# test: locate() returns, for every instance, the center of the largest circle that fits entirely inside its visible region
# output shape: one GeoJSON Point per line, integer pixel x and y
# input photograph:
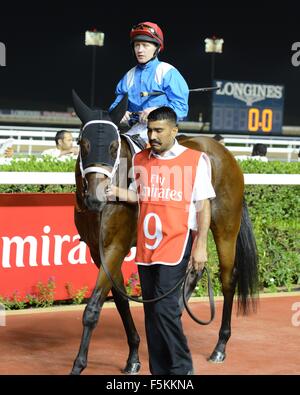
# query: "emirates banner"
{"type": "Point", "coordinates": [40, 243]}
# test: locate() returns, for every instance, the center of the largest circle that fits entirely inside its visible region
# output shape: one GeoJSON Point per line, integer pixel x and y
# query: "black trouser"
{"type": "Point", "coordinates": [167, 344]}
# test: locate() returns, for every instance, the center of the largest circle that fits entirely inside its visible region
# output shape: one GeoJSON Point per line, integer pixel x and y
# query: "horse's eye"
{"type": "Point", "coordinates": [113, 148]}
{"type": "Point", "coordinates": [84, 147]}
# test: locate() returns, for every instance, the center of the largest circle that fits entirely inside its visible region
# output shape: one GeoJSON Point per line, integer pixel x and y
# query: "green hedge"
{"type": "Point", "coordinates": [274, 210]}
{"type": "Point", "coordinates": [32, 163]}
{"type": "Point", "coordinates": [275, 214]}
{"type": "Point", "coordinates": [275, 167]}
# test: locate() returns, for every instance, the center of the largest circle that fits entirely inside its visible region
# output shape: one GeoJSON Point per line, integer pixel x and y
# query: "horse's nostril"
{"type": "Point", "coordinates": [93, 204]}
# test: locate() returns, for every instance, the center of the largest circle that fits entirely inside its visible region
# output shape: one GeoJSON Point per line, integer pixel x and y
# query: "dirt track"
{"type": "Point", "coordinates": [46, 343]}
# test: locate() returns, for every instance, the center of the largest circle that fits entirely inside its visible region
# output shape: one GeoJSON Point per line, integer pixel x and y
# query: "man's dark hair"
{"type": "Point", "coordinates": [163, 113]}
{"type": "Point", "coordinates": [259, 150]}
{"type": "Point", "coordinates": [218, 137]}
{"type": "Point", "coordinates": [60, 135]}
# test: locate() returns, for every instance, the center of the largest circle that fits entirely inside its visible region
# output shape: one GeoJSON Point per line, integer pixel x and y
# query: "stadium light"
{"type": "Point", "coordinates": [95, 39]}
{"type": "Point", "coordinates": [213, 45]}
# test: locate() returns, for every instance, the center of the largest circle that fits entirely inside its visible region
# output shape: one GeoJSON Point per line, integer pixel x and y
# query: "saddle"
{"type": "Point", "coordinates": [135, 142]}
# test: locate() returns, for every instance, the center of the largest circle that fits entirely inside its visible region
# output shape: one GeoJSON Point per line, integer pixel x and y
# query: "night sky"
{"type": "Point", "coordinates": [46, 55]}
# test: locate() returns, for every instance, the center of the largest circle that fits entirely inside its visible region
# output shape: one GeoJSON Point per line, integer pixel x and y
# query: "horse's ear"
{"type": "Point", "coordinates": [81, 109]}
{"type": "Point", "coordinates": [119, 111]}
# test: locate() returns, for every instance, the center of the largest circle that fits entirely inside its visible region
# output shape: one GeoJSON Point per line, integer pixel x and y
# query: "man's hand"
{"type": "Point", "coordinates": [74, 151]}
{"type": "Point", "coordinates": [71, 151]}
{"type": "Point", "coordinates": [199, 253]}
{"type": "Point", "coordinates": [144, 114]}
{"type": "Point", "coordinates": [199, 258]}
{"type": "Point", "coordinates": [111, 191]}
{"type": "Point", "coordinates": [9, 152]}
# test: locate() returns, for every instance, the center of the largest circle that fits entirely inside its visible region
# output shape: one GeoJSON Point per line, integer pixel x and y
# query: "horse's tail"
{"type": "Point", "coordinates": [246, 263]}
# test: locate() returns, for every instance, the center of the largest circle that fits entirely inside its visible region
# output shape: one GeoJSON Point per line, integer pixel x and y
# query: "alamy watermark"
{"type": "Point", "coordinates": [2, 55]}
{"type": "Point", "coordinates": [2, 315]}
{"type": "Point", "coordinates": [296, 56]}
{"type": "Point", "coordinates": [296, 316]}
{"type": "Point", "coordinates": [160, 184]}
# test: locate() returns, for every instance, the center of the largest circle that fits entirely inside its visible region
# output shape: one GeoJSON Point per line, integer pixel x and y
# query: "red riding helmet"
{"type": "Point", "coordinates": [147, 31]}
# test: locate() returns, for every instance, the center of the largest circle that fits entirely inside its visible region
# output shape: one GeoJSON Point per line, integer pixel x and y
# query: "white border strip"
{"type": "Point", "coordinates": [45, 178]}
{"type": "Point", "coordinates": [272, 179]}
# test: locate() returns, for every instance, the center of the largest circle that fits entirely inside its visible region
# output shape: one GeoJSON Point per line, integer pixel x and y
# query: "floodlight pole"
{"type": "Point", "coordinates": [93, 82]}
{"type": "Point", "coordinates": [94, 38]}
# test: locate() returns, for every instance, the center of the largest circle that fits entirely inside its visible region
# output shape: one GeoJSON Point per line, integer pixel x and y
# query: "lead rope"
{"type": "Point", "coordinates": [182, 280]}
{"type": "Point", "coordinates": [116, 286]}
{"type": "Point", "coordinates": [210, 296]}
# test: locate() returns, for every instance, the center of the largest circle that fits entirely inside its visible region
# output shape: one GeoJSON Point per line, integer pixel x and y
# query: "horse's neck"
{"type": "Point", "coordinates": [80, 206]}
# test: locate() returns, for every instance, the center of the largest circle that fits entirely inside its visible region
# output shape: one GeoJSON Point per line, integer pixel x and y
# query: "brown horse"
{"type": "Point", "coordinates": [230, 225]}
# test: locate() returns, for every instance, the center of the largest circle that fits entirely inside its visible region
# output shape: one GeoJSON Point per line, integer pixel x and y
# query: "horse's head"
{"type": "Point", "coordinates": [99, 150]}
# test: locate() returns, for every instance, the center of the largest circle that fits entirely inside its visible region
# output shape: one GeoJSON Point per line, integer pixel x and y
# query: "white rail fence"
{"type": "Point", "coordinates": [67, 178]}
{"type": "Point", "coordinates": [33, 140]}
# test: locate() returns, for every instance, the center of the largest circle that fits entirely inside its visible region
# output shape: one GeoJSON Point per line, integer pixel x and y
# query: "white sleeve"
{"type": "Point", "coordinates": [132, 186]}
{"type": "Point", "coordinates": [54, 152]}
{"type": "Point", "coordinates": [203, 188]}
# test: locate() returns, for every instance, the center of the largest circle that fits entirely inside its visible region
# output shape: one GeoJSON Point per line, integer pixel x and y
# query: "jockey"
{"type": "Point", "coordinates": [151, 83]}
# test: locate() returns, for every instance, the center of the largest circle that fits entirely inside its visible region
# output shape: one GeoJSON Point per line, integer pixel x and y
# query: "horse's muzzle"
{"type": "Point", "coordinates": [94, 204]}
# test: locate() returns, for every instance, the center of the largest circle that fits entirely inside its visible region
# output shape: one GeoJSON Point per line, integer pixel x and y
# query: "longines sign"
{"type": "Point", "coordinates": [249, 92]}
{"type": "Point", "coordinates": [247, 107]}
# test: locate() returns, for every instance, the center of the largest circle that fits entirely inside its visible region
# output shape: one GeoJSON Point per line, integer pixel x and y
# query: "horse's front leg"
{"type": "Point", "coordinates": [90, 318]}
{"type": "Point", "coordinates": [133, 364]}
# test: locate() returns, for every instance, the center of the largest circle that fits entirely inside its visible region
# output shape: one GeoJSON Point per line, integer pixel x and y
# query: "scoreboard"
{"type": "Point", "coordinates": [247, 107]}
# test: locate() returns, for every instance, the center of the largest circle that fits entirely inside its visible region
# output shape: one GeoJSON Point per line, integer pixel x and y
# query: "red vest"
{"type": "Point", "coordinates": [164, 188]}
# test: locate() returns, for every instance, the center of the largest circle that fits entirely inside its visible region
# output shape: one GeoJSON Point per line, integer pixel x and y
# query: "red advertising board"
{"type": "Point", "coordinates": [39, 242]}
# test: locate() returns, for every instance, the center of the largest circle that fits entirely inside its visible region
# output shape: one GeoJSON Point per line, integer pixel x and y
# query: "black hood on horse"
{"type": "Point", "coordinates": [98, 132]}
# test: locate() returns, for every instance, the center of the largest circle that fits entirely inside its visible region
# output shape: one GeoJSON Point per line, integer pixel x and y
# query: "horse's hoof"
{"type": "Point", "coordinates": [132, 368]}
{"type": "Point", "coordinates": [217, 357]}
{"type": "Point", "coordinates": [75, 372]}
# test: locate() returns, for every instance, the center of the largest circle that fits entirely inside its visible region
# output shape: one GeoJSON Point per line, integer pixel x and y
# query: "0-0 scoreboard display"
{"type": "Point", "coordinates": [247, 107]}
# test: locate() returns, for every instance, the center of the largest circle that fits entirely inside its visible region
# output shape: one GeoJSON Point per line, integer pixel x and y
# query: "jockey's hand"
{"type": "Point", "coordinates": [199, 258]}
{"type": "Point", "coordinates": [144, 114]}
{"type": "Point", "coordinates": [126, 118]}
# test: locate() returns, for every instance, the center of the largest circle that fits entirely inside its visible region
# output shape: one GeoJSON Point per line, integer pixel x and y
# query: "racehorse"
{"type": "Point", "coordinates": [230, 226]}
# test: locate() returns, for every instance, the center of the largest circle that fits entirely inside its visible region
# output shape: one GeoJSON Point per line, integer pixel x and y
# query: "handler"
{"type": "Point", "coordinates": [150, 75]}
{"type": "Point", "coordinates": [172, 186]}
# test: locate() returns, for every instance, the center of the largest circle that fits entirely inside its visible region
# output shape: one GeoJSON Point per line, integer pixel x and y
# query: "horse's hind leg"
{"type": "Point", "coordinates": [133, 364]}
{"type": "Point", "coordinates": [90, 318]}
{"type": "Point", "coordinates": [226, 247]}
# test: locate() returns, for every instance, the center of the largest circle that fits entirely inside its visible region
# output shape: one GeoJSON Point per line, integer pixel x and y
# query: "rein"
{"type": "Point", "coordinates": [180, 282]}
